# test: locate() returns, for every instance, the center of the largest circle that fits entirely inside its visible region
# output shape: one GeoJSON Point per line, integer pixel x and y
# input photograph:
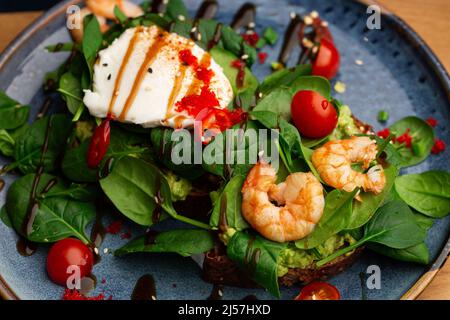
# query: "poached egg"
{"type": "Point", "coordinates": [140, 78]}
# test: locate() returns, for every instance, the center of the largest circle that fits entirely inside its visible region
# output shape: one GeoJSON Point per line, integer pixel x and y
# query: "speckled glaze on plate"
{"type": "Point", "coordinates": [399, 74]}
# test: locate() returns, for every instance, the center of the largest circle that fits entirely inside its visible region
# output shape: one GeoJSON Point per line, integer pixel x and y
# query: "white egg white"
{"type": "Point", "coordinates": [150, 106]}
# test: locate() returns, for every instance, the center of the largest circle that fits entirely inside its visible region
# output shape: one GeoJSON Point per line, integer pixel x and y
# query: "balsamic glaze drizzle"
{"type": "Point", "coordinates": [44, 108]}
{"type": "Point", "coordinates": [207, 10]}
{"type": "Point", "coordinates": [145, 288]}
{"type": "Point", "coordinates": [290, 39]}
{"type": "Point", "coordinates": [159, 6]}
{"type": "Point", "coordinates": [245, 17]}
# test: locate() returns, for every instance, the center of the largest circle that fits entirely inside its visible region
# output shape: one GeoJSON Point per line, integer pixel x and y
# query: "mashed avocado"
{"type": "Point", "coordinates": [179, 187]}
{"type": "Point", "coordinates": [293, 257]}
{"type": "Point", "coordinates": [346, 125]}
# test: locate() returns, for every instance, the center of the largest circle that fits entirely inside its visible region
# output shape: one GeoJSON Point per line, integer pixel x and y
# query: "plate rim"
{"type": "Point", "coordinates": [411, 36]}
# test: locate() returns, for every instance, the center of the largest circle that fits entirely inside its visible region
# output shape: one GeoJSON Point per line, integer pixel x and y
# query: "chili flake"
{"type": "Point", "coordinates": [405, 139]}
{"type": "Point", "coordinates": [262, 57]}
{"type": "Point", "coordinates": [251, 38]}
{"type": "Point", "coordinates": [384, 133]}
{"type": "Point", "coordinates": [438, 147]}
{"type": "Point", "coordinates": [432, 122]}
{"type": "Point", "coordinates": [72, 294]}
{"type": "Point", "coordinates": [114, 227]}
{"type": "Point", "coordinates": [193, 104]}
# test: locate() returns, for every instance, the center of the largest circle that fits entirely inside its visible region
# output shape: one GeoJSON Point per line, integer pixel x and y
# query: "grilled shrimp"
{"type": "Point", "coordinates": [299, 200]}
{"type": "Point", "coordinates": [334, 159]}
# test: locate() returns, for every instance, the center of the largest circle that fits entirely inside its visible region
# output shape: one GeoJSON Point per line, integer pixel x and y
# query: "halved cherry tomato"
{"type": "Point", "coordinates": [319, 291]}
{"type": "Point", "coordinates": [99, 144]}
{"type": "Point", "coordinates": [327, 61]}
{"type": "Point", "coordinates": [65, 253]}
{"type": "Point", "coordinates": [313, 115]}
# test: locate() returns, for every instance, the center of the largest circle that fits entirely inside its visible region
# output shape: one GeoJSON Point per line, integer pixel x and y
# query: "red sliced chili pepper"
{"type": "Point", "coordinates": [99, 143]}
{"type": "Point", "coordinates": [240, 66]}
{"type": "Point", "coordinates": [251, 38]}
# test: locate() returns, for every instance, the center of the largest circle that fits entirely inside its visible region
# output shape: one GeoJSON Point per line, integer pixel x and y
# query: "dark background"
{"type": "Point", "coordinates": [26, 5]}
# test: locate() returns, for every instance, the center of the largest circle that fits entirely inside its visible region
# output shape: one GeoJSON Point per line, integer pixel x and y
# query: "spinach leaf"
{"type": "Point", "coordinates": [335, 218]}
{"type": "Point", "coordinates": [56, 218]}
{"type": "Point", "coordinates": [4, 217]}
{"type": "Point", "coordinates": [284, 77]}
{"type": "Point", "coordinates": [259, 256]}
{"type": "Point", "coordinates": [184, 242]}
{"type": "Point", "coordinates": [279, 99]}
{"type": "Point", "coordinates": [417, 254]}
{"type": "Point", "coordinates": [175, 9]}
{"type": "Point", "coordinates": [122, 143]}
{"type": "Point", "coordinates": [224, 59]}
{"type": "Point", "coordinates": [120, 16]}
{"type": "Point", "coordinates": [134, 187]}
{"type": "Point", "coordinates": [12, 113]}
{"type": "Point", "coordinates": [393, 225]}
{"type": "Point", "coordinates": [71, 91]}
{"type": "Point", "coordinates": [92, 40]}
{"type": "Point", "coordinates": [28, 147]}
{"type": "Point", "coordinates": [423, 137]}
{"type": "Point", "coordinates": [364, 209]}
{"type": "Point", "coordinates": [75, 192]}
{"type": "Point", "coordinates": [6, 143]}
{"type": "Point", "coordinates": [228, 206]}
{"type": "Point", "coordinates": [163, 145]}
{"type": "Point", "coordinates": [428, 192]}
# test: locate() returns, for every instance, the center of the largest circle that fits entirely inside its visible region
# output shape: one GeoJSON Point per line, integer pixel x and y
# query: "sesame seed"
{"type": "Point", "coordinates": [260, 94]}
{"type": "Point", "coordinates": [251, 25]}
{"type": "Point", "coordinates": [150, 70]}
{"type": "Point", "coordinates": [96, 250]}
{"type": "Point", "coordinates": [105, 64]}
{"type": "Point", "coordinates": [105, 251]}
{"type": "Point", "coordinates": [359, 62]}
{"type": "Point", "coordinates": [199, 37]}
{"type": "Point", "coordinates": [109, 76]}
{"type": "Point", "coordinates": [153, 298]}
{"type": "Point", "coordinates": [308, 20]}
{"type": "Point", "coordinates": [194, 29]}
{"type": "Point", "coordinates": [245, 57]}
{"type": "Point", "coordinates": [293, 15]}
{"type": "Point", "coordinates": [314, 14]}
{"type": "Point", "coordinates": [220, 293]}
{"type": "Point", "coordinates": [324, 24]}
{"type": "Point", "coordinates": [165, 1]}
{"type": "Point", "coordinates": [181, 17]}
{"type": "Point", "coordinates": [307, 43]}
{"type": "Point", "coordinates": [366, 39]}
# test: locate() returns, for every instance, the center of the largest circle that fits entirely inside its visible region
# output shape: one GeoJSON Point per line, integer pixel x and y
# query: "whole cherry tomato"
{"type": "Point", "coordinates": [327, 61]}
{"type": "Point", "coordinates": [319, 291]}
{"type": "Point", "coordinates": [65, 253]}
{"type": "Point", "coordinates": [313, 115]}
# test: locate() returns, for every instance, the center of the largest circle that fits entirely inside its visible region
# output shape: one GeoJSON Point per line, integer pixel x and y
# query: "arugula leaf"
{"type": "Point", "coordinates": [428, 192]}
{"type": "Point", "coordinates": [229, 205]}
{"type": "Point", "coordinates": [259, 256]}
{"type": "Point", "coordinates": [56, 218]}
{"type": "Point", "coordinates": [335, 218]}
{"type": "Point", "coordinates": [393, 225]}
{"type": "Point", "coordinates": [12, 113]}
{"type": "Point", "coordinates": [4, 217]}
{"type": "Point", "coordinates": [423, 137]}
{"type": "Point", "coordinates": [92, 40]}
{"type": "Point", "coordinates": [184, 242]}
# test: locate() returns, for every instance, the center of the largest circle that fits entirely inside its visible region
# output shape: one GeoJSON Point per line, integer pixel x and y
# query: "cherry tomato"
{"type": "Point", "coordinates": [65, 253]}
{"type": "Point", "coordinates": [319, 291]}
{"type": "Point", "coordinates": [327, 61]}
{"type": "Point", "coordinates": [313, 115]}
{"type": "Point", "coordinates": [99, 144]}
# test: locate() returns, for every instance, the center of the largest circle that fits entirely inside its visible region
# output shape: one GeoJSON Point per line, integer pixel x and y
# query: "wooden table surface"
{"type": "Point", "coordinates": [431, 19]}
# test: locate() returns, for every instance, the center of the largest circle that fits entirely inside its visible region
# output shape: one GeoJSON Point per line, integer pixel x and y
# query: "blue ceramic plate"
{"type": "Point", "coordinates": [399, 74]}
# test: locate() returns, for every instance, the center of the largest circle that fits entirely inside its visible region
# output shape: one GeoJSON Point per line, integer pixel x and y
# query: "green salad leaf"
{"type": "Point", "coordinates": [428, 192]}
{"type": "Point", "coordinates": [393, 225]}
{"type": "Point", "coordinates": [183, 242]}
{"type": "Point", "coordinates": [259, 256]}
{"type": "Point", "coordinates": [56, 218]}
{"type": "Point", "coordinates": [12, 113]}
{"type": "Point", "coordinates": [92, 40]}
